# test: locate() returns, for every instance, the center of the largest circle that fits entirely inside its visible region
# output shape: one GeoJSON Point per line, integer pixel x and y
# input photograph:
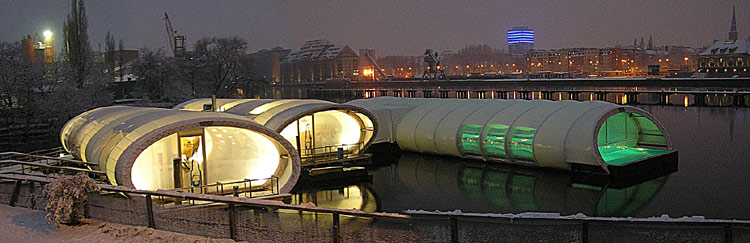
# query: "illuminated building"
{"type": "Point", "coordinates": [321, 126]}
{"type": "Point", "coordinates": [520, 40]}
{"type": "Point", "coordinates": [154, 148]}
{"type": "Point", "coordinates": [40, 49]}
{"type": "Point", "coordinates": [317, 61]}
{"type": "Point", "coordinates": [568, 135]}
{"type": "Point", "coordinates": [245, 139]}
{"type": "Point", "coordinates": [726, 58]}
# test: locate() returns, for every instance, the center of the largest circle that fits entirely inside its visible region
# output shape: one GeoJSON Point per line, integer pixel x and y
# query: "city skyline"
{"type": "Point", "coordinates": [389, 27]}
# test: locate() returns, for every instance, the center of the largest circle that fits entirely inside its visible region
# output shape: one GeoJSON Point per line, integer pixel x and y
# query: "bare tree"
{"type": "Point", "coordinates": [109, 51]}
{"type": "Point", "coordinates": [158, 77]}
{"type": "Point", "coordinates": [220, 64]}
{"type": "Point", "coordinates": [76, 39]}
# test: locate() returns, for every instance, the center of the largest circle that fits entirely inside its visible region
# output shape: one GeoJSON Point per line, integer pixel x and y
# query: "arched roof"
{"type": "Point", "coordinates": [115, 136]}
{"type": "Point", "coordinates": [277, 114]}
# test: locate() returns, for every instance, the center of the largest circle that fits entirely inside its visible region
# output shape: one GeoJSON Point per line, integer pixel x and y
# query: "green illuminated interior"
{"type": "Point", "coordinates": [521, 143]}
{"type": "Point", "coordinates": [622, 136]}
{"type": "Point", "coordinates": [469, 137]}
{"type": "Point", "coordinates": [494, 142]}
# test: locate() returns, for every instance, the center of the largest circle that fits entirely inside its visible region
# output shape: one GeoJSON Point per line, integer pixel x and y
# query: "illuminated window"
{"type": "Point", "coordinates": [494, 141]}
{"type": "Point", "coordinates": [468, 135]}
{"type": "Point", "coordinates": [521, 143]}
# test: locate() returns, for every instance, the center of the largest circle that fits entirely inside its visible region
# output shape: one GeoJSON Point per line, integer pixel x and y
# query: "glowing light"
{"type": "Point", "coordinates": [47, 34]}
{"type": "Point", "coordinates": [685, 101]}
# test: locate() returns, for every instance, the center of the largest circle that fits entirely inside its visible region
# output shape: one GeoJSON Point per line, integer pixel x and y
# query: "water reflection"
{"type": "Point", "coordinates": [443, 183]}
{"type": "Point", "coordinates": [357, 197]}
{"type": "Point", "coordinates": [447, 184]}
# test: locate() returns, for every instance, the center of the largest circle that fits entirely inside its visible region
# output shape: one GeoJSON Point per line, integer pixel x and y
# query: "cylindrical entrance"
{"type": "Point", "coordinates": [207, 155]}
{"type": "Point", "coordinates": [627, 137]}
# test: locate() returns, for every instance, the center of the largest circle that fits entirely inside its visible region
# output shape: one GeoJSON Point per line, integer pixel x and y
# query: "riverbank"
{"type": "Point", "coordinates": [26, 225]}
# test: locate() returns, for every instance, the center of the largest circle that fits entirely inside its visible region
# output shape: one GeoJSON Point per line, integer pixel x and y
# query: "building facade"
{"type": "Point", "coordinates": [266, 64]}
{"type": "Point", "coordinates": [726, 58]}
{"type": "Point", "coordinates": [318, 61]}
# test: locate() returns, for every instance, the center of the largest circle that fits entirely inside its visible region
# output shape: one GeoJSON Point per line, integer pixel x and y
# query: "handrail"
{"type": "Point", "coordinates": [247, 186]}
{"type": "Point", "coordinates": [330, 152]}
{"type": "Point", "coordinates": [237, 201]}
{"type": "Point", "coordinates": [9, 155]}
{"type": "Point", "coordinates": [48, 169]}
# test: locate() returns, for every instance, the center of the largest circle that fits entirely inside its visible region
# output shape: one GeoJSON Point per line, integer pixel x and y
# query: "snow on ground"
{"type": "Point", "coordinates": [579, 216]}
{"type": "Point", "coordinates": [26, 225]}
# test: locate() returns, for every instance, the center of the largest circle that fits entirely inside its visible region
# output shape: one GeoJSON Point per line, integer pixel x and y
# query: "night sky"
{"type": "Point", "coordinates": [388, 26]}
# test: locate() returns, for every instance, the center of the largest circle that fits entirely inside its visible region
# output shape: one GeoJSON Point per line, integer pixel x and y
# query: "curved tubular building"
{"type": "Point", "coordinates": [540, 133]}
{"type": "Point", "coordinates": [321, 126]}
{"type": "Point", "coordinates": [153, 148]}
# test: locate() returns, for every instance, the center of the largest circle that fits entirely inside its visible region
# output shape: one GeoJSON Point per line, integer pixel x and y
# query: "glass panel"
{"type": "Point", "coordinates": [494, 142]}
{"type": "Point", "coordinates": [154, 169]}
{"type": "Point", "coordinates": [468, 135]}
{"type": "Point", "coordinates": [335, 129]}
{"type": "Point", "coordinates": [521, 143]}
{"type": "Point", "coordinates": [235, 154]}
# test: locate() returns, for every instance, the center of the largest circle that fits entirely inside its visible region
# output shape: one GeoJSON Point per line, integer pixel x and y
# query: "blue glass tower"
{"type": "Point", "coordinates": [520, 40]}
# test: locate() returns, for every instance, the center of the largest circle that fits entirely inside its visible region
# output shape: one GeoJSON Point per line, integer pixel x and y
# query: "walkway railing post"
{"type": "Point", "coordinates": [584, 232]}
{"type": "Point", "coordinates": [454, 229]}
{"type": "Point", "coordinates": [336, 228]}
{"type": "Point", "coordinates": [150, 210]}
{"type": "Point", "coordinates": [16, 192]}
{"type": "Point", "coordinates": [232, 222]}
{"type": "Point", "coordinates": [728, 233]}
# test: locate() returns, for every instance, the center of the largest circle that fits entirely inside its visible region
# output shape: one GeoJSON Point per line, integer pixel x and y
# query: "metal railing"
{"type": "Point", "coordinates": [330, 153]}
{"type": "Point", "coordinates": [250, 219]}
{"type": "Point", "coordinates": [262, 186]}
{"type": "Point", "coordinates": [46, 166]}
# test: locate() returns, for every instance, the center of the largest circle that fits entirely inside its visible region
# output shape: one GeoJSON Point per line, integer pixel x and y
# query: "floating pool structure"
{"type": "Point", "coordinates": [245, 139]}
{"type": "Point", "coordinates": [154, 148]}
{"type": "Point", "coordinates": [555, 134]}
{"type": "Point", "coordinates": [321, 126]}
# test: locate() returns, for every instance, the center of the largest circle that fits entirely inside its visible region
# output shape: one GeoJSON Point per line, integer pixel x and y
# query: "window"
{"type": "Point", "coordinates": [468, 135]}
{"type": "Point", "coordinates": [521, 143]}
{"type": "Point", "coordinates": [494, 141]}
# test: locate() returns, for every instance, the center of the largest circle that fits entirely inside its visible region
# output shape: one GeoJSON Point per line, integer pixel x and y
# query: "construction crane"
{"type": "Point", "coordinates": [176, 42]}
{"type": "Point", "coordinates": [433, 71]}
{"type": "Point", "coordinates": [377, 68]}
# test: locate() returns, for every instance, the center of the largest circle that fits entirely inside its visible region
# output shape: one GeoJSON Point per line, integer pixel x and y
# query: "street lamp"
{"type": "Point", "coordinates": [47, 34]}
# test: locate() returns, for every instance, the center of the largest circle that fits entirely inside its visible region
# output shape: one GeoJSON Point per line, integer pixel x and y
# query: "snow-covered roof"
{"type": "Point", "coordinates": [725, 47]}
{"type": "Point", "coordinates": [315, 49]}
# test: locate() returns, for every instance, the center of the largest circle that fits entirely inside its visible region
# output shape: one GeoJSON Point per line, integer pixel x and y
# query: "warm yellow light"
{"type": "Point", "coordinates": [367, 72]}
{"type": "Point", "coordinates": [47, 34]}
{"type": "Point", "coordinates": [686, 59]}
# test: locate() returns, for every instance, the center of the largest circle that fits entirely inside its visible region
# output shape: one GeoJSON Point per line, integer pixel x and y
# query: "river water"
{"type": "Point", "coordinates": [711, 179]}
